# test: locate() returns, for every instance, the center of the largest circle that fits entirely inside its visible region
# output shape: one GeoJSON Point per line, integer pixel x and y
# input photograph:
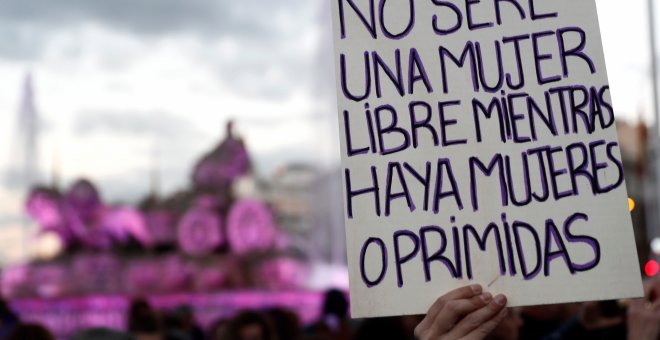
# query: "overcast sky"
{"type": "Point", "coordinates": [124, 86]}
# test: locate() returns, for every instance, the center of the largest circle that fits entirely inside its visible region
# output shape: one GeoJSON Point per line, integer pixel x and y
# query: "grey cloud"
{"type": "Point", "coordinates": [158, 124]}
{"type": "Point", "coordinates": [275, 81]}
{"type": "Point", "coordinates": [125, 188]}
{"type": "Point", "coordinates": [21, 42]}
{"type": "Point", "coordinates": [178, 144]}
{"type": "Point", "coordinates": [278, 119]}
{"type": "Point", "coordinates": [152, 17]}
{"type": "Point", "coordinates": [267, 163]}
{"type": "Point", "coordinates": [272, 65]}
{"type": "Point", "coordinates": [271, 58]}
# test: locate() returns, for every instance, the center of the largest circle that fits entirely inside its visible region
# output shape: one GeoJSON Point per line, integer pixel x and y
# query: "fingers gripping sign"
{"type": "Point", "coordinates": [462, 160]}
{"type": "Point", "coordinates": [464, 313]}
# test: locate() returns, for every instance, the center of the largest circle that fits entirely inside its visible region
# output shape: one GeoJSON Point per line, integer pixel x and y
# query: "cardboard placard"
{"type": "Point", "coordinates": [478, 145]}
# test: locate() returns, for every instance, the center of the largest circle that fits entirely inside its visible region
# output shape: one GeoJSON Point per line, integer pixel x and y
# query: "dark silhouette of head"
{"type": "Point", "coordinates": [142, 319]}
{"type": "Point", "coordinates": [31, 331]}
{"type": "Point", "coordinates": [101, 334]}
{"type": "Point", "coordinates": [248, 325]}
{"type": "Point", "coordinates": [286, 323]}
{"type": "Point", "coordinates": [335, 304]}
{"type": "Point", "coordinates": [382, 328]}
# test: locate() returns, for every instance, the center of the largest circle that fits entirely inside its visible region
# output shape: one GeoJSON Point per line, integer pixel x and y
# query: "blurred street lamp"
{"type": "Point", "coordinates": [48, 245]}
{"type": "Point", "coordinates": [652, 268]}
{"type": "Point", "coordinates": [653, 197]}
{"type": "Point", "coordinates": [655, 246]}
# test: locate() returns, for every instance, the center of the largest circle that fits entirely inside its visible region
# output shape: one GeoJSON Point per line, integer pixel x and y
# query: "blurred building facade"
{"type": "Point", "coordinates": [309, 205]}
{"type": "Point", "coordinates": [634, 144]}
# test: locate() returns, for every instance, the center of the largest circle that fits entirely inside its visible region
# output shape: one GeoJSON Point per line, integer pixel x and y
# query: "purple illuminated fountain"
{"type": "Point", "coordinates": [141, 275]}
{"type": "Point", "coordinates": [85, 200]}
{"type": "Point", "coordinates": [80, 219]}
{"type": "Point", "coordinates": [283, 273]}
{"type": "Point", "coordinates": [14, 281]}
{"type": "Point", "coordinates": [54, 214]}
{"type": "Point", "coordinates": [177, 275]}
{"type": "Point", "coordinates": [44, 206]}
{"type": "Point", "coordinates": [250, 227]}
{"type": "Point", "coordinates": [96, 273]}
{"type": "Point", "coordinates": [197, 241]}
{"type": "Point", "coordinates": [226, 163]}
{"type": "Point", "coordinates": [124, 224]}
{"type": "Point", "coordinates": [50, 280]}
{"type": "Point", "coordinates": [199, 232]}
{"type": "Point", "coordinates": [160, 224]}
{"type": "Point", "coordinates": [184, 249]}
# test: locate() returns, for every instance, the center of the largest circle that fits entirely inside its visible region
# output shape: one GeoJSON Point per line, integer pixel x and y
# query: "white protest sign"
{"type": "Point", "coordinates": [478, 146]}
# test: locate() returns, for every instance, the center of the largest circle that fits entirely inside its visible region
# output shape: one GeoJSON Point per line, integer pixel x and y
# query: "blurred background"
{"type": "Point", "coordinates": [138, 137]}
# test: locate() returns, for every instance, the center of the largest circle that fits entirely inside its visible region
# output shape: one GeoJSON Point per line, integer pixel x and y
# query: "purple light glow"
{"type": "Point", "coordinates": [85, 199]}
{"type": "Point", "coordinates": [199, 232]}
{"type": "Point", "coordinates": [54, 214]}
{"type": "Point", "coordinates": [50, 280]}
{"type": "Point", "coordinates": [96, 273]}
{"type": "Point", "coordinates": [125, 222]}
{"type": "Point", "coordinates": [207, 202]}
{"type": "Point", "coordinates": [210, 278]}
{"type": "Point", "coordinates": [223, 165]}
{"type": "Point", "coordinates": [161, 226]}
{"type": "Point", "coordinates": [176, 275]}
{"type": "Point", "coordinates": [81, 218]}
{"type": "Point", "coordinates": [75, 227]}
{"type": "Point", "coordinates": [97, 238]}
{"type": "Point", "coordinates": [44, 207]}
{"type": "Point", "coordinates": [15, 280]}
{"type": "Point", "coordinates": [108, 273]}
{"type": "Point", "coordinates": [250, 227]}
{"type": "Point", "coordinates": [141, 276]}
{"type": "Point", "coordinates": [65, 316]}
{"type": "Point", "coordinates": [283, 274]}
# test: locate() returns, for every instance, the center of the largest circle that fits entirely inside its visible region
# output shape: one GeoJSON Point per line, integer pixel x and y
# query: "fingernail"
{"type": "Point", "coordinates": [476, 289]}
{"type": "Point", "coordinates": [500, 300]}
{"type": "Point", "coordinates": [485, 297]}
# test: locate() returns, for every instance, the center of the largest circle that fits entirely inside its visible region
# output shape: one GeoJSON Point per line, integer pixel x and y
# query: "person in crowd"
{"type": "Point", "coordinates": [285, 323]}
{"type": "Point", "coordinates": [148, 329]}
{"type": "Point", "coordinates": [538, 321]}
{"type": "Point", "coordinates": [643, 315]}
{"type": "Point", "coordinates": [31, 331]}
{"type": "Point", "coordinates": [101, 333]}
{"type": "Point", "coordinates": [8, 320]}
{"type": "Point", "coordinates": [470, 313]}
{"type": "Point", "coordinates": [634, 319]}
{"type": "Point", "coordinates": [643, 320]}
{"type": "Point", "coordinates": [409, 323]}
{"type": "Point", "coordinates": [143, 322]}
{"type": "Point", "coordinates": [334, 317]}
{"type": "Point", "coordinates": [391, 328]}
{"type": "Point", "coordinates": [314, 337]}
{"type": "Point", "coordinates": [249, 325]}
{"type": "Point", "coordinates": [509, 328]}
{"type": "Point", "coordinates": [218, 329]}
{"type": "Point", "coordinates": [185, 320]}
{"type": "Point", "coordinates": [465, 313]}
{"type": "Point", "coordinates": [592, 319]}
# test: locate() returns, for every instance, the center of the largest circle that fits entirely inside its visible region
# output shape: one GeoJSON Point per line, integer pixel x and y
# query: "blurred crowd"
{"type": "Point", "coordinates": [633, 319]}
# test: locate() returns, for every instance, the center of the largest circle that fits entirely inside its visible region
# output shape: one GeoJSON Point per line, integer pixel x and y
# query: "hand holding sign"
{"type": "Point", "coordinates": [644, 314]}
{"type": "Point", "coordinates": [464, 313]}
{"type": "Point", "coordinates": [478, 146]}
